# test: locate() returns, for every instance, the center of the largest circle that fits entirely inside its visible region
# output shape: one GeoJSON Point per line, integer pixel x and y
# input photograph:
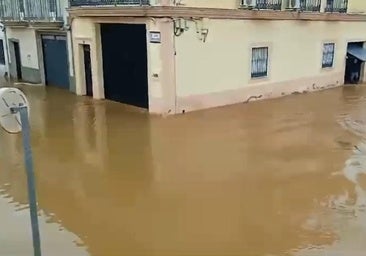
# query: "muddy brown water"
{"type": "Point", "coordinates": [277, 177]}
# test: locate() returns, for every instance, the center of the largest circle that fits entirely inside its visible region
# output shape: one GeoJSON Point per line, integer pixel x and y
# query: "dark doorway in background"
{"type": "Point", "coordinates": [356, 57]}
{"type": "Point", "coordinates": [18, 62]}
{"type": "Point", "coordinates": [87, 70]}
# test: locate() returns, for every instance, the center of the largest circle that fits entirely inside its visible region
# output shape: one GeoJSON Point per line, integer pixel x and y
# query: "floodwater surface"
{"type": "Point", "coordinates": [277, 177]}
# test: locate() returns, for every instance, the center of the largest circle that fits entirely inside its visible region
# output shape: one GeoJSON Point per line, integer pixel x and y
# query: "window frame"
{"type": "Point", "coordinates": [326, 55]}
{"type": "Point", "coordinates": [257, 74]}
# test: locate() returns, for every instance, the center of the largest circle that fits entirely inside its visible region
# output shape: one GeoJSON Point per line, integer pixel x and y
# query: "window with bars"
{"type": "Point", "coordinates": [2, 53]}
{"type": "Point", "coordinates": [21, 6]}
{"type": "Point", "coordinates": [259, 62]}
{"type": "Point", "coordinates": [328, 55]}
{"type": "Point", "coordinates": [52, 5]}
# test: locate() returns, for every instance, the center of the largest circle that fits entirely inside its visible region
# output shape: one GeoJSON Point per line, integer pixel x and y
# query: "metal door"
{"type": "Point", "coordinates": [125, 63]}
{"type": "Point", "coordinates": [55, 60]}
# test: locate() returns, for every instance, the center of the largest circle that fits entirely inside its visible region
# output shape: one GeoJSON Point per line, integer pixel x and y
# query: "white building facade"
{"type": "Point", "coordinates": [38, 41]}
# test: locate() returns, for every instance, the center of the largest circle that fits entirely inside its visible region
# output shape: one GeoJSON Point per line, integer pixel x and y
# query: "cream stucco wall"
{"type": "Point", "coordinates": [357, 6]}
{"type": "Point", "coordinates": [84, 31]}
{"type": "Point", "coordinates": [187, 73]}
{"type": "Point", "coordinates": [27, 44]}
{"type": "Point", "coordinates": [217, 72]}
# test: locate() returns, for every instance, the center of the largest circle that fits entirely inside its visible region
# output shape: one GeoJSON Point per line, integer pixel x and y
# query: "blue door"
{"type": "Point", "coordinates": [55, 60]}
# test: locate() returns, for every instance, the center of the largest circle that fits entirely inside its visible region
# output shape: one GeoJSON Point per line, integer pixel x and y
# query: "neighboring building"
{"type": "Point", "coordinates": [38, 41]}
{"type": "Point", "coordinates": [3, 54]}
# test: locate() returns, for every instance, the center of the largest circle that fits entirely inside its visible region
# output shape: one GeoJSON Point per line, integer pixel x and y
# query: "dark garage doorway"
{"type": "Point", "coordinates": [125, 63]}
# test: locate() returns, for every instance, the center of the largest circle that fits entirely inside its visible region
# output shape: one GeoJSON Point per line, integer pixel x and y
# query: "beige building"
{"type": "Point", "coordinates": [174, 56]}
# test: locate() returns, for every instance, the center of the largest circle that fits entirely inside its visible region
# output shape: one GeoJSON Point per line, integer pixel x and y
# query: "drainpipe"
{"type": "Point", "coordinates": [71, 45]}
{"type": "Point", "coordinates": [69, 21]}
{"type": "Point", "coordinates": [72, 59]}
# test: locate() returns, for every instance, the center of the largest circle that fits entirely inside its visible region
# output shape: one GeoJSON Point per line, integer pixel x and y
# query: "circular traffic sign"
{"type": "Point", "coordinates": [10, 100]}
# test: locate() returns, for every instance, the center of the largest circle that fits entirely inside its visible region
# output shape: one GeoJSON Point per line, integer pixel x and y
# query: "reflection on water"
{"type": "Point", "coordinates": [15, 232]}
{"type": "Point", "coordinates": [258, 179]}
{"type": "Point", "coordinates": [345, 213]}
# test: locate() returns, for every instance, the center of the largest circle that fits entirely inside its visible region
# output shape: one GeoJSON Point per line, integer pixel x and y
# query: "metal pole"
{"type": "Point", "coordinates": [28, 159]}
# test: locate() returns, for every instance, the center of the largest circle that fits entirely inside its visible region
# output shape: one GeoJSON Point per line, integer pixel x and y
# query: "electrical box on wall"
{"type": "Point", "coordinates": [155, 37]}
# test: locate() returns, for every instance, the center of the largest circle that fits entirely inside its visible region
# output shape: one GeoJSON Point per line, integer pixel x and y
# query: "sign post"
{"type": "Point", "coordinates": [14, 118]}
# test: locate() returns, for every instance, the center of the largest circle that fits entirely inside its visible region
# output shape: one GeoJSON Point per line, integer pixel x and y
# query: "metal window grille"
{"type": "Point", "coordinates": [2, 53]}
{"type": "Point", "coordinates": [108, 2]}
{"type": "Point", "coordinates": [310, 5]}
{"type": "Point", "coordinates": [31, 10]}
{"type": "Point", "coordinates": [328, 55]}
{"type": "Point", "coordinates": [269, 4]}
{"type": "Point", "coordinates": [336, 6]}
{"type": "Point", "coordinates": [259, 62]}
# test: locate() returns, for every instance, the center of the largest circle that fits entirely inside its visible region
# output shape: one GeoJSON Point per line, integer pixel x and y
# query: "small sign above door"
{"type": "Point", "coordinates": [155, 37]}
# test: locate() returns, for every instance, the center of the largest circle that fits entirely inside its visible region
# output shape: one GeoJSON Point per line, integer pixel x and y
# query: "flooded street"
{"type": "Point", "coordinates": [271, 178]}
